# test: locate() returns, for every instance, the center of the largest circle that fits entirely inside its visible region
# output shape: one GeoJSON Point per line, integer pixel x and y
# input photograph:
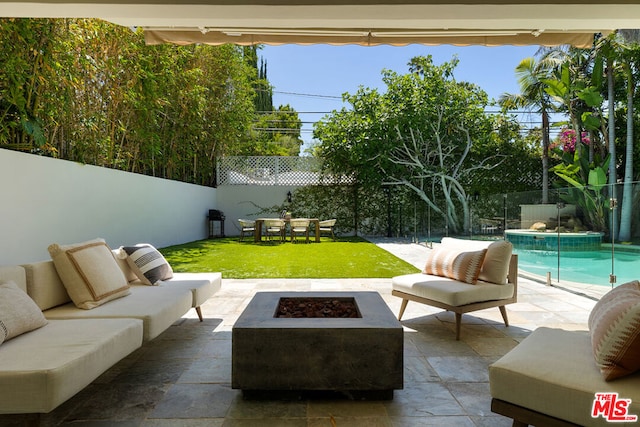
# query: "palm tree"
{"type": "Point", "coordinates": [531, 75]}
{"type": "Point", "coordinates": [623, 48]}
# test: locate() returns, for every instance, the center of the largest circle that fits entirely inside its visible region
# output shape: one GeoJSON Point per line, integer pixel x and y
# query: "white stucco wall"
{"type": "Point", "coordinates": [246, 201]}
{"type": "Point", "coordinates": [46, 200]}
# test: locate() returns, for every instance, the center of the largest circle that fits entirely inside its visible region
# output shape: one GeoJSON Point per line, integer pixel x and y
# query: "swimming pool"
{"type": "Point", "coordinates": [590, 267]}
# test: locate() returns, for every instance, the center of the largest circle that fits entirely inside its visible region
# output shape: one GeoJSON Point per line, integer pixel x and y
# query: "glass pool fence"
{"type": "Point", "coordinates": [586, 235]}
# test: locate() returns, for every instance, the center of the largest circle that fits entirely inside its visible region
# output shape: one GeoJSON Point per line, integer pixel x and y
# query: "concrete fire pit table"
{"type": "Point", "coordinates": [359, 357]}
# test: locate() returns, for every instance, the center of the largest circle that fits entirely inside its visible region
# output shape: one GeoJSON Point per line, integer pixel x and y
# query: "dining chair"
{"type": "Point", "coordinates": [326, 226]}
{"type": "Point", "coordinates": [299, 226]}
{"type": "Point", "coordinates": [247, 226]}
{"type": "Point", "coordinates": [274, 227]}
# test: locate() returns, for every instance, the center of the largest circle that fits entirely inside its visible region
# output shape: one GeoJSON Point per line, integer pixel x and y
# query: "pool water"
{"type": "Point", "coordinates": [590, 267]}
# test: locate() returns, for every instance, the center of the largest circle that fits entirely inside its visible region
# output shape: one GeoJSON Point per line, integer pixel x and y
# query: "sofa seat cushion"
{"type": "Point", "coordinates": [202, 285]}
{"type": "Point", "coordinates": [449, 291]}
{"type": "Point", "coordinates": [552, 371]}
{"type": "Point", "coordinates": [158, 307]}
{"type": "Point", "coordinates": [41, 369]}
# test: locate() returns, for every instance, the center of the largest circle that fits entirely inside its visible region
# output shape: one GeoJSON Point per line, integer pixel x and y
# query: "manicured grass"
{"type": "Point", "coordinates": [344, 258]}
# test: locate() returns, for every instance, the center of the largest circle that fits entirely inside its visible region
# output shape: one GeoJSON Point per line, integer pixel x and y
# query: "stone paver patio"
{"type": "Point", "coordinates": [183, 377]}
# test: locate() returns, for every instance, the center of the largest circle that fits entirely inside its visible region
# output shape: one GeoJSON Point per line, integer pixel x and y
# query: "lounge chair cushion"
{"type": "Point", "coordinates": [450, 291]}
{"type": "Point", "coordinates": [614, 323]}
{"type": "Point", "coordinates": [455, 264]}
{"type": "Point", "coordinates": [18, 313]}
{"type": "Point", "coordinates": [89, 272]}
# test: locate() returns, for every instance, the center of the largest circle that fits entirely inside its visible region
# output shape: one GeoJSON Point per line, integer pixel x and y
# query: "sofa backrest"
{"type": "Point", "coordinates": [14, 273]}
{"type": "Point", "coordinates": [44, 285]}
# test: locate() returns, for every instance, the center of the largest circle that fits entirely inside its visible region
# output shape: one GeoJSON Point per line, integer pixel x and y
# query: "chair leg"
{"type": "Point", "coordinates": [503, 311]}
{"type": "Point", "coordinates": [458, 324]}
{"type": "Point", "coordinates": [199, 311]}
{"type": "Point", "coordinates": [403, 306]}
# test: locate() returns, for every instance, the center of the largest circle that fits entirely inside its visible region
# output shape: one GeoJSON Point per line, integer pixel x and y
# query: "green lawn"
{"type": "Point", "coordinates": [345, 258]}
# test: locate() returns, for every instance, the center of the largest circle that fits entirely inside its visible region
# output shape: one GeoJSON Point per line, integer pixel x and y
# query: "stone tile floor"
{"type": "Point", "coordinates": [183, 377]}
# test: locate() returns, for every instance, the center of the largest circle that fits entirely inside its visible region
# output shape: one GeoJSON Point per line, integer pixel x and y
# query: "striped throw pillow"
{"type": "Point", "coordinates": [614, 324]}
{"type": "Point", "coordinates": [455, 264]}
{"type": "Point", "coordinates": [147, 263]}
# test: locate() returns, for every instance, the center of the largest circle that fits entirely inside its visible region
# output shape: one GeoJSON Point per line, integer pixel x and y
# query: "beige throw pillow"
{"type": "Point", "coordinates": [455, 264]}
{"type": "Point", "coordinates": [614, 324]}
{"type": "Point", "coordinates": [89, 273]}
{"type": "Point", "coordinates": [18, 312]}
{"type": "Point", "coordinates": [495, 266]}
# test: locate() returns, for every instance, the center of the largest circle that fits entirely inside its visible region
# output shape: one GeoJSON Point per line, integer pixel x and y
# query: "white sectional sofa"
{"type": "Point", "coordinates": [42, 368]}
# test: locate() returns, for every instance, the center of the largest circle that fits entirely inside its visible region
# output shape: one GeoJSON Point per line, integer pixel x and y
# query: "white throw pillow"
{"type": "Point", "coordinates": [18, 312]}
{"type": "Point", "coordinates": [89, 272]}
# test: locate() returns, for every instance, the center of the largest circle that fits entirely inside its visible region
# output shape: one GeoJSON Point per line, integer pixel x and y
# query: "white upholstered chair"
{"type": "Point", "coordinates": [299, 226]}
{"type": "Point", "coordinates": [274, 227]}
{"type": "Point", "coordinates": [326, 226]}
{"type": "Point", "coordinates": [247, 226]}
{"type": "Point", "coordinates": [496, 285]}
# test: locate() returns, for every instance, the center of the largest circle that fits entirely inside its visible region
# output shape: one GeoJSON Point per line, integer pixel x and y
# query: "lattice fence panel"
{"type": "Point", "coordinates": [254, 170]}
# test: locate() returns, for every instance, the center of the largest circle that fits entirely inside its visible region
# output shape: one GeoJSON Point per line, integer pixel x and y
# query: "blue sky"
{"type": "Point", "coordinates": [329, 71]}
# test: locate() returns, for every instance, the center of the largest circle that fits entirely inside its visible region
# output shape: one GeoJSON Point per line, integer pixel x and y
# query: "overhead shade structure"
{"type": "Point", "coordinates": [271, 36]}
{"type": "Point", "coordinates": [367, 22]}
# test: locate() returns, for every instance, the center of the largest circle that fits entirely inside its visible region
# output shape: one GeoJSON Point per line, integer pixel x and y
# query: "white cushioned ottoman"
{"type": "Point", "coordinates": [41, 369]}
{"type": "Point", "coordinates": [553, 372]}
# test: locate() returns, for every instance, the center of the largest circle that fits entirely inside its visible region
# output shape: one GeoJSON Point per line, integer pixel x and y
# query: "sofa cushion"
{"type": "Point", "coordinates": [495, 266]}
{"type": "Point", "coordinates": [157, 306]}
{"type": "Point", "coordinates": [147, 263]}
{"type": "Point", "coordinates": [42, 369]}
{"type": "Point", "coordinates": [89, 272]}
{"type": "Point", "coordinates": [552, 371]}
{"type": "Point", "coordinates": [44, 285]}
{"type": "Point", "coordinates": [450, 291]}
{"type": "Point", "coordinates": [15, 274]}
{"type": "Point", "coordinates": [18, 313]}
{"type": "Point", "coordinates": [455, 264]}
{"type": "Point", "coordinates": [614, 324]}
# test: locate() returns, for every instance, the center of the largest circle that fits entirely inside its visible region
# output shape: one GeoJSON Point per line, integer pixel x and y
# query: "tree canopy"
{"type": "Point", "coordinates": [426, 133]}
{"type": "Point", "coordinates": [93, 92]}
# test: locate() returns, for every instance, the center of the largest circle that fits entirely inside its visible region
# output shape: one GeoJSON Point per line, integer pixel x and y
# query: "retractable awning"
{"type": "Point", "coordinates": [368, 22]}
{"type": "Point", "coordinates": [271, 36]}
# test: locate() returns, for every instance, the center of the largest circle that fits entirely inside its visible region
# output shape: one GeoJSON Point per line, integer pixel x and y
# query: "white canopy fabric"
{"type": "Point", "coordinates": [367, 22]}
{"type": "Point", "coordinates": [397, 38]}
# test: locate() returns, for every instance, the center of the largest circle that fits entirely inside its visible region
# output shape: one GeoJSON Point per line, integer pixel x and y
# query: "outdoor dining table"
{"type": "Point", "coordinates": [257, 234]}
